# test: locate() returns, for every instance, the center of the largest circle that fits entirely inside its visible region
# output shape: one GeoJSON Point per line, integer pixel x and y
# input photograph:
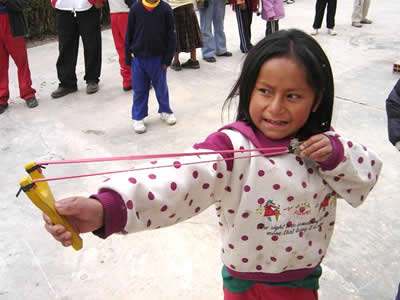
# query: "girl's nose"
{"type": "Point", "coordinates": [275, 106]}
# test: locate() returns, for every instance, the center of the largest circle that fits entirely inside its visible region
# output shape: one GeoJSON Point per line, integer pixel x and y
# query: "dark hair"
{"type": "Point", "coordinates": [306, 50]}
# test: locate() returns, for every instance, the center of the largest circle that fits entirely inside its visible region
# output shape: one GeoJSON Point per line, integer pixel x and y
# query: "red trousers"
{"type": "Point", "coordinates": [16, 48]}
{"type": "Point", "coordinates": [119, 22]}
{"type": "Point", "coordinates": [264, 292]}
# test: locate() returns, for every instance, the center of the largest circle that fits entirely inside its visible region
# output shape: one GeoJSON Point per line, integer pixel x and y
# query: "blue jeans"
{"type": "Point", "coordinates": [144, 70]}
{"type": "Point", "coordinates": [214, 14]}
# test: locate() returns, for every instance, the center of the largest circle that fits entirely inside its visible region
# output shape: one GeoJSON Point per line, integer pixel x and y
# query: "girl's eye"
{"type": "Point", "coordinates": [264, 91]}
{"type": "Point", "coordinates": [293, 96]}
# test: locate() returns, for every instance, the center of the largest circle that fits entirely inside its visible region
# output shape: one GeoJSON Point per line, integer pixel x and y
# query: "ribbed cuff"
{"type": "Point", "coordinates": [337, 154]}
{"type": "Point", "coordinates": [115, 214]}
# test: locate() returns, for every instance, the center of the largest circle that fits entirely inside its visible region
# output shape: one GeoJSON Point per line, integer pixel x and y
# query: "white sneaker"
{"type": "Point", "coordinates": [168, 118]}
{"type": "Point", "coordinates": [314, 32]}
{"type": "Point", "coordinates": [139, 127]}
{"type": "Point", "coordinates": [332, 32]}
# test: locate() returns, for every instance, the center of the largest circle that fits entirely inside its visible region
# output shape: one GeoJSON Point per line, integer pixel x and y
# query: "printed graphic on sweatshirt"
{"type": "Point", "coordinates": [269, 209]}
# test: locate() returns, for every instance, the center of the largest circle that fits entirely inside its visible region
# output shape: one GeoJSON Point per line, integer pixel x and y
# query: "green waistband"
{"type": "Point", "coordinates": [235, 285]}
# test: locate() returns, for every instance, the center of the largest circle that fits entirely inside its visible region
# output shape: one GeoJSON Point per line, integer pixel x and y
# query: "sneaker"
{"type": "Point", "coordinates": [176, 66]}
{"type": "Point", "coordinates": [31, 102]}
{"type": "Point", "coordinates": [127, 88]}
{"type": "Point", "coordinates": [314, 32]}
{"type": "Point", "coordinates": [92, 87]}
{"type": "Point", "coordinates": [168, 118]}
{"type": "Point", "coordinates": [290, 1]}
{"type": "Point", "coordinates": [366, 21]}
{"type": "Point", "coordinates": [332, 32]}
{"type": "Point", "coordinates": [62, 91]}
{"type": "Point", "coordinates": [227, 53]}
{"type": "Point", "coordinates": [139, 127]}
{"type": "Point", "coordinates": [356, 24]}
{"type": "Point", "coordinates": [3, 108]}
{"type": "Point", "coordinates": [191, 64]}
{"type": "Point", "coordinates": [210, 59]}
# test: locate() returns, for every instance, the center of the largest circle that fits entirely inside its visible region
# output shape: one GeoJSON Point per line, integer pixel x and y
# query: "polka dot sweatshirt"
{"type": "Point", "coordinates": [276, 214]}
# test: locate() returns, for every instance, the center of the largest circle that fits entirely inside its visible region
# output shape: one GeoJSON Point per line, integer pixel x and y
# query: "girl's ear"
{"type": "Point", "coordinates": [317, 101]}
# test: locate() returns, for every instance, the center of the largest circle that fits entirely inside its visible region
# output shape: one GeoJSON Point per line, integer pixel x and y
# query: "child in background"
{"type": "Point", "coordinates": [12, 43]}
{"type": "Point", "coordinates": [119, 20]}
{"type": "Point", "coordinates": [150, 45]}
{"type": "Point", "coordinates": [285, 95]}
{"type": "Point", "coordinates": [330, 16]}
{"type": "Point", "coordinates": [272, 11]}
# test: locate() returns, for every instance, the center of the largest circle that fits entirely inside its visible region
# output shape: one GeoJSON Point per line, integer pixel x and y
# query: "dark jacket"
{"type": "Point", "coordinates": [17, 20]}
{"type": "Point", "coordinates": [393, 114]}
{"type": "Point", "coordinates": [150, 33]}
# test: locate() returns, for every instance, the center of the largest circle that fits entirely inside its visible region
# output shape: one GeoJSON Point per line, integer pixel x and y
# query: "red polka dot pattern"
{"type": "Point", "coordinates": [129, 204]}
{"type": "Point", "coordinates": [150, 196]}
{"type": "Point", "coordinates": [132, 180]}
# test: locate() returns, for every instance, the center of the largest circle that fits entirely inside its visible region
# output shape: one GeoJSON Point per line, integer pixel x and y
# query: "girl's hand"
{"type": "Point", "coordinates": [318, 148]}
{"type": "Point", "coordinates": [83, 214]}
{"type": "Point", "coordinates": [164, 66]}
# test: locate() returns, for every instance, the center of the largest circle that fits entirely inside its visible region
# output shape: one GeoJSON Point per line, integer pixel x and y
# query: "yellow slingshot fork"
{"type": "Point", "coordinates": [41, 195]}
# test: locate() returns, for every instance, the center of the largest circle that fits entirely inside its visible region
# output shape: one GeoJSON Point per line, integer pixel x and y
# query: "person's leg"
{"type": "Point", "coordinates": [90, 31]}
{"type": "Point", "coordinates": [208, 49]}
{"type": "Point", "coordinates": [249, 22]}
{"type": "Point", "coordinates": [17, 49]}
{"type": "Point", "coordinates": [243, 27]}
{"type": "Point", "coordinates": [272, 26]}
{"type": "Point", "coordinates": [357, 11]}
{"type": "Point", "coordinates": [330, 14]}
{"type": "Point", "coordinates": [68, 42]}
{"type": "Point", "coordinates": [365, 9]}
{"type": "Point", "coordinates": [141, 87]}
{"type": "Point", "coordinates": [119, 22]}
{"type": "Point", "coordinates": [4, 60]}
{"type": "Point", "coordinates": [319, 13]}
{"type": "Point", "coordinates": [158, 77]}
{"type": "Point", "coordinates": [219, 31]}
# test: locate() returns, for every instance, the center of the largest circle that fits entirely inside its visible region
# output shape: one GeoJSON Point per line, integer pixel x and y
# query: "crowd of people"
{"type": "Point", "coordinates": [81, 20]}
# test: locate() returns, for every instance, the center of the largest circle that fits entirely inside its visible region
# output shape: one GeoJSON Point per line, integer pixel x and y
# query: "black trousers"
{"type": "Point", "coordinates": [70, 27]}
{"type": "Point", "coordinates": [330, 14]}
{"type": "Point", "coordinates": [244, 19]}
{"type": "Point", "coordinates": [272, 26]}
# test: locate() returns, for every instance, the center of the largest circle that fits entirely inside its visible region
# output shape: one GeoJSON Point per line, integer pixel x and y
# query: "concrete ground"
{"type": "Point", "coordinates": [182, 262]}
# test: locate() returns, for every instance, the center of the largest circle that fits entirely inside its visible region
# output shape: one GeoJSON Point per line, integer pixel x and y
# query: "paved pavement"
{"type": "Point", "coordinates": [182, 262]}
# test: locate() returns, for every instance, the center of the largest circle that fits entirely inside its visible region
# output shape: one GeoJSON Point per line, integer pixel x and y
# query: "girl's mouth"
{"type": "Point", "coordinates": [275, 122]}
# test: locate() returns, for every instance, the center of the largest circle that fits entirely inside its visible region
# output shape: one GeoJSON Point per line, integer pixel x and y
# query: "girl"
{"type": "Point", "coordinates": [330, 16]}
{"type": "Point", "coordinates": [285, 95]}
{"type": "Point", "coordinates": [272, 11]}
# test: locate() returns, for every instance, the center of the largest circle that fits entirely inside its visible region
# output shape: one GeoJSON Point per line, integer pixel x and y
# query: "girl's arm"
{"type": "Point", "coordinates": [161, 197]}
{"type": "Point", "coordinates": [349, 168]}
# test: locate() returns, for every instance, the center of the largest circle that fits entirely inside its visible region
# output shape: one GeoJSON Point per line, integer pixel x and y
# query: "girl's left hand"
{"type": "Point", "coordinates": [318, 148]}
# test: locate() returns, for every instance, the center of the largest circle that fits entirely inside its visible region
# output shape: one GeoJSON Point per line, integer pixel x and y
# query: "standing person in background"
{"type": "Point", "coordinates": [76, 19]}
{"type": "Point", "coordinates": [330, 16]}
{"type": "Point", "coordinates": [244, 15]}
{"type": "Point", "coordinates": [393, 115]}
{"type": "Point", "coordinates": [213, 15]}
{"type": "Point", "coordinates": [150, 45]}
{"type": "Point", "coordinates": [188, 33]}
{"type": "Point", "coordinates": [119, 21]}
{"type": "Point", "coordinates": [12, 43]}
{"type": "Point", "coordinates": [272, 11]}
{"type": "Point", "coordinates": [360, 12]}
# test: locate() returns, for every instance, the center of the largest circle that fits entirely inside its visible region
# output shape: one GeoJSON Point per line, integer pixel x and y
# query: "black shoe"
{"type": "Point", "coordinates": [227, 53]}
{"type": "Point", "coordinates": [210, 59]}
{"type": "Point", "coordinates": [127, 88]}
{"type": "Point", "coordinates": [92, 87]}
{"type": "Point", "coordinates": [62, 91]}
{"type": "Point", "coordinates": [32, 102]}
{"type": "Point", "coordinates": [3, 108]}
{"type": "Point", "coordinates": [176, 66]}
{"type": "Point", "coordinates": [191, 64]}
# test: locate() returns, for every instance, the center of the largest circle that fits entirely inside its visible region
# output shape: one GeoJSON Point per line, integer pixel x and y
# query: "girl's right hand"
{"type": "Point", "coordinates": [83, 214]}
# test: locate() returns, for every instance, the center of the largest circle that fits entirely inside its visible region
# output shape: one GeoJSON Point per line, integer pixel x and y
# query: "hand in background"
{"type": "Point", "coordinates": [83, 214]}
{"type": "Point", "coordinates": [98, 4]}
{"type": "Point", "coordinates": [318, 148]}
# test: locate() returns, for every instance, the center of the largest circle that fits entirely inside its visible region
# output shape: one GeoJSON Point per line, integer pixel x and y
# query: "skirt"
{"type": "Point", "coordinates": [188, 33]}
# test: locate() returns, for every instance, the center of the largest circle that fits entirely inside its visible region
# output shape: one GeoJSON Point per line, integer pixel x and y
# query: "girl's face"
{"type": "Point", "coordinates": [282, 99]}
